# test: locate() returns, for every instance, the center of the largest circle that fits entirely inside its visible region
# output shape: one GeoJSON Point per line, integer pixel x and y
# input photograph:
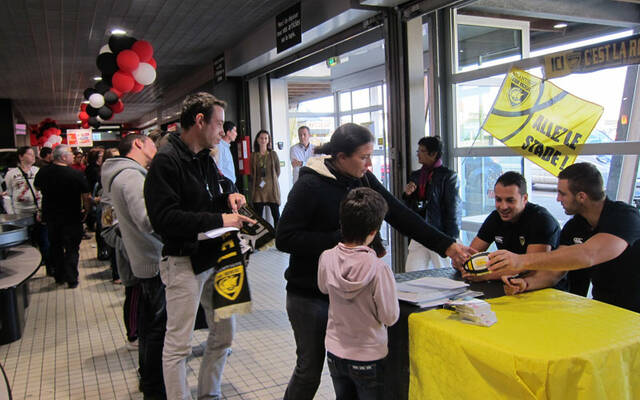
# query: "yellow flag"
{"type": "Point", "coordinates": [540, 121]}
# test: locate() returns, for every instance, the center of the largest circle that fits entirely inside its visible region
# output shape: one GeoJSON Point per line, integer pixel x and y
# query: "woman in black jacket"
{"type": "Point", "coordinates": [310, 224]}
{"type": "Point", "coordinates": [432, 192]}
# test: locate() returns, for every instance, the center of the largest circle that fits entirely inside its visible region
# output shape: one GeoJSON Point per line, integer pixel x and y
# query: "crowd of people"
{"type": "Point", "coordinates": [149, 199]}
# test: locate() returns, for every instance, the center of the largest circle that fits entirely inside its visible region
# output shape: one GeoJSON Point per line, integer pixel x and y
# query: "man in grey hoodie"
{"type": "Point", "coordinates": [124, 178]}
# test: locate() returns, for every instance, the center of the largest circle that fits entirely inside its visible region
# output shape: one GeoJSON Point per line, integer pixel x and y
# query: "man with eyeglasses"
{"type": "Point", "coordinates": [65, 201]}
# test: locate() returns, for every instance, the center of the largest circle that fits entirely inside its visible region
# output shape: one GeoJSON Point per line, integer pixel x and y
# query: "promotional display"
{"type": "Point", "coordinates": [540, 121]}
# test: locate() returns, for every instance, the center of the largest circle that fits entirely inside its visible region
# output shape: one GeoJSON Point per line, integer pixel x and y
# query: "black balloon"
{"type": "Point", "coordinates": [107, 63]}
{"type": "Point", "coordinates": [117, 43]}
{"type": "Point", "coordinates": [102, 87]}
{"type": "Point", "coordinates": [88, 92]}
{"type": "Point", "coordinates": [110, 97]}
{"type": "Point", "coordinates": [105, 112]}
{"type": "Point", "coordinates": [91, 111]}
{"type": "Point", "coordinates": [93, 121]}
{"type": "Point", "coordinates": [107, 79]}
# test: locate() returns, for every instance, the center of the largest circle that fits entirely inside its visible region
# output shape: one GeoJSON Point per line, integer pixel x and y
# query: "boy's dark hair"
{"type": "Point", "coordinates": [125, 145]}
{"type": "Point", "coordinates": [432, 144]}
{"type": "Point", "coordinates": [513, 178]}
{"type": "Point", "coordinates": [584, 177]}
{"type": "Point", "coordinates": [361, 212]}
{"type": "Point", "coordinates": [194, 104]}
{"type": "Point", "coordinates": [227, 126]}
{"type": "Point", "coordinates": [45, 151]}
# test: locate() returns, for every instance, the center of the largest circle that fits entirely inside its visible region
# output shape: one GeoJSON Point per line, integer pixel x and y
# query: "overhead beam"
{"type": "Point", "coordinates": [583, 11]}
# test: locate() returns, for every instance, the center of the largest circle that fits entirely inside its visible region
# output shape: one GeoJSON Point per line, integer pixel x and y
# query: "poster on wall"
{"type": "Point", "coordinates": [79, 137]}
{"type": "Point", "coordinates": [540, 121]}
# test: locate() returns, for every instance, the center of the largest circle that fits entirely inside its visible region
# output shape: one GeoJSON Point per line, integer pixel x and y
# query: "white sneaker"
{"type": "Point", "coordinates": [132, 346]}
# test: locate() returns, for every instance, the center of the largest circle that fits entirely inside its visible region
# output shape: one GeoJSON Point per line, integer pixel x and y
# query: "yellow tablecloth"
{"type": "Point", "coordinates": [546, 345]}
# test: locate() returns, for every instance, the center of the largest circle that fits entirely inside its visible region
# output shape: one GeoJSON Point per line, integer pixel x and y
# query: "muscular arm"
{"type": "Point", "coordinates": [600, 248]}
{"type": "Point", "coordinates": [479, 244]}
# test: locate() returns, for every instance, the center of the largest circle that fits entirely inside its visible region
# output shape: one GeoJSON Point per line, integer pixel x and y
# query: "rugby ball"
{"type": "Point", "coordinates": [477, 264]}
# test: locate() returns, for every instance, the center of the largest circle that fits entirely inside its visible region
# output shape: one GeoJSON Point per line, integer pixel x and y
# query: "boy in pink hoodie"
{"type": "Point", "coordinates": [362, 299]}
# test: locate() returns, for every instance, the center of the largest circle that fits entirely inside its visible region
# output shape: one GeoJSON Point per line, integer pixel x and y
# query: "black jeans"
{"type": "Point", "coordinates": [308, 317]}
{"type": "Point", "coordinates": [152, 323]}
{"type": "Point", "coordinates": [130, 311]}
{"type": "Point", "coordinates": [275, 211]}
{"type": "Point", "coordinates": [356, 380]}
{"type": "Point", "coordinates": [64, 244]}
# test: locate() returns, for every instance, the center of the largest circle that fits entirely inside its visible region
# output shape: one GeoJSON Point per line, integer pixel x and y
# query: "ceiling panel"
{"type": "Point", "coordinates": [48, 48]}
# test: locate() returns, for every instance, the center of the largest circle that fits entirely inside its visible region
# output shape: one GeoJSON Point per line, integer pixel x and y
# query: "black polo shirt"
{"type": "Point", "coordinates": [62, 188]}
{"type": "Point", "coordinates": [535, 226]}
{"type": "Point", "coordinates": [616, 281]}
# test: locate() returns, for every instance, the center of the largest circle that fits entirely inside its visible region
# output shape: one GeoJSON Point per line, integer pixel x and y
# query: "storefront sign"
{"type": "Point", "coordinates": [79, 137]}
{"type": "Point", "coordinates": [219, 73]}
{"type": "Point", "coordinates": [540, 121]}
{"type": "Point", "coordinates": [613, 53]}
{"type": "Point", "coordinates": [288, 28]}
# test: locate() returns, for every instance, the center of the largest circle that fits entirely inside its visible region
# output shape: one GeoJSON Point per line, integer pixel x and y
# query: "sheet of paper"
{"type": "Point", "coordinates": [437, 283]}
{"type": "Point", "coordinates": [214, 233]}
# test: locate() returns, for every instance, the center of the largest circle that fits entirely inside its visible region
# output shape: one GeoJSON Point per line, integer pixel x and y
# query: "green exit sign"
{"type": "Point", "coordinates": [333, 61]}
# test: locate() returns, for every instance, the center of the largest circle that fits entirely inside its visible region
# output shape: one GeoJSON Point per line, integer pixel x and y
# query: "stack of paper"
{"type": "Point", "coordinates": [474, 311]}
{"type": "Point", "coordinates": [430, 292]}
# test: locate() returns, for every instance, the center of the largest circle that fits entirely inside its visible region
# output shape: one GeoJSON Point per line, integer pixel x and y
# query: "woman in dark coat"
{"type": "Point", "coordinates": [310, 224]}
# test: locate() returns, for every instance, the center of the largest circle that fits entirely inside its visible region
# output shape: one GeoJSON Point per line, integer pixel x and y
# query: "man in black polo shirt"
{"type": "Point", "coordinates": [516, 225]}
{"type": "Point", "coordinates": [603, 233]}
{"type": "Point", "coordinates": [64, 193]}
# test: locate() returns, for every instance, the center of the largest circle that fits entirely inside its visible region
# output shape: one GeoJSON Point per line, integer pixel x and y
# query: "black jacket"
{"type": "Point", "coordinates": [442, 206]}
{"type": "Point", "coordinates": [184, 197]}
{"type": "Point", "coordinates": [310, 224]}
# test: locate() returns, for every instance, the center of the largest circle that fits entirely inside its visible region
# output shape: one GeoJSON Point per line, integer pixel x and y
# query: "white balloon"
{"type": "Point", "coordinates": [96, 100]}
{"type": "Point", "coordinates": [105, 49]}
{"type": "Point", "coordinates": [58, 139]}
{"type": "Point", "coordinates": [145, 74]}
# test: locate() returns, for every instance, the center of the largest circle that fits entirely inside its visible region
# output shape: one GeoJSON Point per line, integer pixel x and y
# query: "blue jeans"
{"type": "Point", "coordinates": [357, 380]}
{"type": "Point", "coordinates": [308, 317]}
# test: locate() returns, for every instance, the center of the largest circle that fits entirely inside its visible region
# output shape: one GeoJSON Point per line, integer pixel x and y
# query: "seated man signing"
{"type": "Point", "coordinates": [515, 225]}
{"type": "Point", "coordinates": [603, 233]}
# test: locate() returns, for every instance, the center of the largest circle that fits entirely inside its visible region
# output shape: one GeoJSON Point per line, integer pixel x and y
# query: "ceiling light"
{"type": "Point", "coordinates": [78, 122]}
{"type": "Point", "coordinates": [118, 31]}
{"type": "Point", "coordinates": [97, 78]}
{"type": "Point", "coordinates": [560, 25]}
{"type": "Point", "coordinates": [86, 102]}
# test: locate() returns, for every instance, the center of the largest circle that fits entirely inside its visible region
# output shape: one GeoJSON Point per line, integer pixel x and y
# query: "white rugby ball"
{"type": "Point", "coordinates": [477, 264]}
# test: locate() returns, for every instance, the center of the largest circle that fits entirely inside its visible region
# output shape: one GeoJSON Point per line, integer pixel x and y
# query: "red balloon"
{"type": "Point", "coordinates": [137, 87]}
{"type": "Point", "coordinates": [83, 116]}
{"type": "Point", "coordinates": [122, 81]}
{"type": "Point", "coordinates": [117, 107]}
{"type": "Point", "coordinates": [143, 49]}
{"type": "Point", "coordinates": [128, 60]}
{"type": "Point", "coordinates": [33, 139]}
{"type": "Point", "coordinates": [85, 124]}
{"type": "Point", "coordinates": [152, 62]}
{"type": "Point", "coordinates": [83, 107]}
{"type": "Point", "coordinates": [116, 91]}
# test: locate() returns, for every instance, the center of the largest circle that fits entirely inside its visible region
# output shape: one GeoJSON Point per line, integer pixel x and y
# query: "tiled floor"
{"type": "Point", "coordinates": [73, 346]}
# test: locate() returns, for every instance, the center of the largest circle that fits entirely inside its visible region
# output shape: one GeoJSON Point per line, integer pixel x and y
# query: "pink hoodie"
{"type": "Point", "coordinates": [362, 300]}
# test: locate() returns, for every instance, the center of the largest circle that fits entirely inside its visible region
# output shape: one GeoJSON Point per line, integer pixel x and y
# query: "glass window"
{"type": "Point", "coordinates": [319, 105]}
{"type": "Point", "coordinates": [321, 128]}
{"type": "Point", "coordinates": [362, 118]}
{"type": "Point", "coordinates": [360, 98]}
{"type": "Point", "coordinates": [482, 46]}
{"type": "Point", "coordinates": [345, 101]}
{"type": "Point", "coordinates": [345, 119]}
{"type": "Point", "coordinates": [474, 100]}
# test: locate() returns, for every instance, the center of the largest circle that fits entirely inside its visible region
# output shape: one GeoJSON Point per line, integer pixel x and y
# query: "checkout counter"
{"type": "Point", "coordinates": [18, 262]}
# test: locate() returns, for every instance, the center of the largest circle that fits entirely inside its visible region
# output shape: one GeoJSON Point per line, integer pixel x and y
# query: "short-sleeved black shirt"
{"type": "Point", "coordinates": [616, 281]}
{"type": "Point", "coordinates": [62, 189]}
{"type": "Point", "coordinates": [535, 226]}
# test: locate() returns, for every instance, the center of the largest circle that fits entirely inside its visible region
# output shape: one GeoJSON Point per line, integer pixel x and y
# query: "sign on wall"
{"type": "Point", "coordinates": [614, 53]}
{"type": "Point", "coordinates": [288, 28]}
{"type": "Point", "coordinates": [540, 121]}
{"type": "Point", "coordinates": [219, 73]}
{"type": "Point", "coordinates": [79, 137]}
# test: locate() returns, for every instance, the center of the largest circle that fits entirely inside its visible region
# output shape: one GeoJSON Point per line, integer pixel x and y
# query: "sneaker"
{"type": "Point", "coordinates": [73, 285]}
{"type": "Point", "coordinates": [132, 346]}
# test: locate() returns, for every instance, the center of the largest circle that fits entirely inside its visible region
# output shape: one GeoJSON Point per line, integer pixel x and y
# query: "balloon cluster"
{"type": "Point", "coordinates": [127, 66]}
{"type": "Point", "coordinates": [45, 134]}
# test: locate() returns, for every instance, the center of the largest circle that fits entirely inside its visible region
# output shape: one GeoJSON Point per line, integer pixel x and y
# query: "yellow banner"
{"type": "Point", "coordinates": [541, 121]}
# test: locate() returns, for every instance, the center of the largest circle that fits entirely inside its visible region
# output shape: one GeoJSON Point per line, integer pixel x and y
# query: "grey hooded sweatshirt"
{"type": "Point", "coordinates": [124, 178]}
{"type": "Point", "coordinates": [362, 302]}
